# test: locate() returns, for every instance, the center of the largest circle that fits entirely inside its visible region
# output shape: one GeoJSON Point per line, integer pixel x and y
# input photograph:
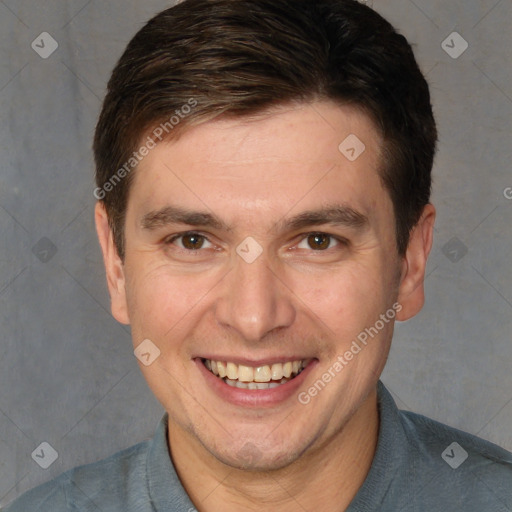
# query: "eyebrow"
{"type": "Point", "coordinates": [340, 215]}
{"type": "Point", "coordinates": [175, 215]}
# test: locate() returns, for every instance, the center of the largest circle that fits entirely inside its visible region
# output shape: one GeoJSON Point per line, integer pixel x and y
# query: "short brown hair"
{"type": "Point", "coordinates": [207, 58]}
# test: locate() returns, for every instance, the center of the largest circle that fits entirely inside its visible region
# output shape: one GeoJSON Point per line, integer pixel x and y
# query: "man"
{"type": "Point", "coordinates": [263, 185]}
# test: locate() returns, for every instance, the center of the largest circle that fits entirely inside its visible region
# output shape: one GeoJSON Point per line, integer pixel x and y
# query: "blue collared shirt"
{"type": "Point", "coordinates": [420, 465]}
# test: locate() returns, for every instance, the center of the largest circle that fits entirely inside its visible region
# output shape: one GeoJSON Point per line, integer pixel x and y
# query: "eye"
{"type": "Point", "coordinates": [318, 242]}
{"type": "Point", "coordinates": [190, 241]}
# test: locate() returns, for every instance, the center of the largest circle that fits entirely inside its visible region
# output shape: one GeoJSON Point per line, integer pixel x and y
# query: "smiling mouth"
{"type": "Point", "coordinates": [254, 378]}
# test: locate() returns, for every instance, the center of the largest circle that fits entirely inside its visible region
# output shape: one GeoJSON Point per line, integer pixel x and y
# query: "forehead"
{"type": "Point", "coordinates": [290, 158]}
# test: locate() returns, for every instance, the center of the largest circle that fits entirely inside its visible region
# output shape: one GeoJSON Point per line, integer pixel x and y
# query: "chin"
{"type": "Point", "coordinates": [258, 458]}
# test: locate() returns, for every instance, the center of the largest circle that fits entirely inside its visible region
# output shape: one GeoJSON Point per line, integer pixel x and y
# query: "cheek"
{"type": "Point", "coordinates": [161, 302]}
{"type": "Point", "coordinates": [346, 300]}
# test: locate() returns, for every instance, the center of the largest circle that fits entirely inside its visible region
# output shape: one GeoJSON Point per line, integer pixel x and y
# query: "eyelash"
{"type": "Point", "coordinates": [340, 241]}
{"type": "Point", "coordinates": [169, 241]}
{"type": "Point", "coordinates": [173, 238]}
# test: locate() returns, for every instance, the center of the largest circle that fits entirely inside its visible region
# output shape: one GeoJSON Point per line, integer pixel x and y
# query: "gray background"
{"type": "Point", "coordinates": [67, 371]}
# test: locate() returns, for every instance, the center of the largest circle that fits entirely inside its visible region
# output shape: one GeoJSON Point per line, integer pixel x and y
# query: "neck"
{"type": "Point", "coordinates": [329, 473]}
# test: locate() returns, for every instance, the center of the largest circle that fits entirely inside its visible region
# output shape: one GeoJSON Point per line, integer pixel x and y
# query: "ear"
{"type": "Point", "coordinates": [411, 293]}
{"type": "Point", "coordinates": [113, 265]}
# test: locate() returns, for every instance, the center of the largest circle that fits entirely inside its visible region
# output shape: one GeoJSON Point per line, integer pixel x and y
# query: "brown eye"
{"type": "Point", "coordinates": [190, 241]}
{"type": "Point", "coordinates": [319, 241]}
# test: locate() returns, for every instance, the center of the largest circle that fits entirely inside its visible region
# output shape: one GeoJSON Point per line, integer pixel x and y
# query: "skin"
{"type": "Point", "coordinates": [294, 301]}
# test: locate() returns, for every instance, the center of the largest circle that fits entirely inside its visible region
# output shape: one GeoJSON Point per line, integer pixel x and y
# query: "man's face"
{"type": "Point", "coordinates": [319, 268]}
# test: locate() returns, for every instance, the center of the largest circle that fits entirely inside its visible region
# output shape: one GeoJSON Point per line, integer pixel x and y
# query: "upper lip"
{"type": "Point", "coordinates": [256, 362]}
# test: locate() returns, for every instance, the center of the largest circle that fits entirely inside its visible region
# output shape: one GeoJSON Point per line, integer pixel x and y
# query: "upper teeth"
{"type": "Point", "coordinates": [264, 373]}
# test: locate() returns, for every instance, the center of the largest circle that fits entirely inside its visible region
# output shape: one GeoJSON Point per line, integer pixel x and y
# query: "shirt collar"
{"type": "Point", "coordinates": [388, 462]}
{"type": "Point", "coordinates": [164, 486]}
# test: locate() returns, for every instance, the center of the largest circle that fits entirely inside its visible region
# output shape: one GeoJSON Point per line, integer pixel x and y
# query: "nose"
{"type": "Point", "coordinates": [254, 301]}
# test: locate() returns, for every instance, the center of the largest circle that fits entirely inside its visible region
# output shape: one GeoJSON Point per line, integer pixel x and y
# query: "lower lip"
{"type": "Point", "coordinates": [254, 397]}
